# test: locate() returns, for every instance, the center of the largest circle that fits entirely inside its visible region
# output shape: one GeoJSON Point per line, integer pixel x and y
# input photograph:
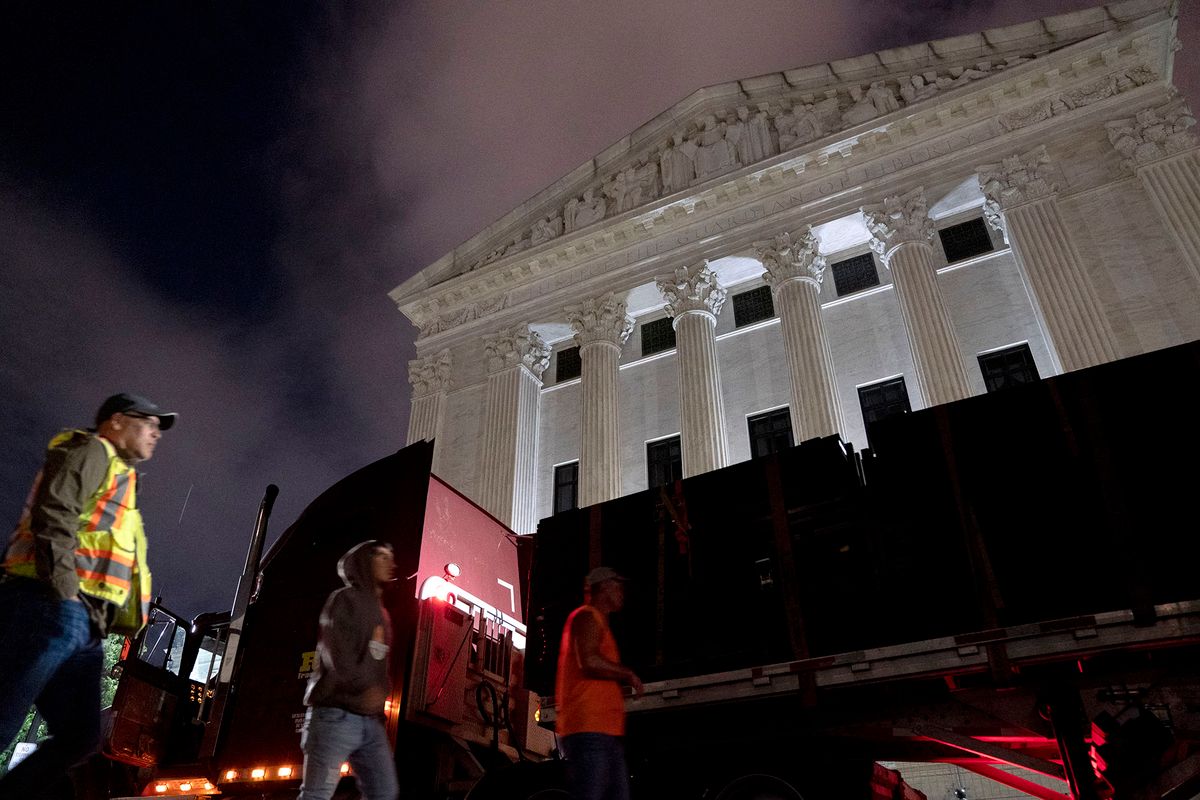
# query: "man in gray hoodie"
{"type": "Point", "coordinates": [348, 689]}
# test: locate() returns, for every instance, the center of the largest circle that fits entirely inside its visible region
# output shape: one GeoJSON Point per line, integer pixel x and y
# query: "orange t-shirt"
{"type": "Point", "coordinates": [587, 705]}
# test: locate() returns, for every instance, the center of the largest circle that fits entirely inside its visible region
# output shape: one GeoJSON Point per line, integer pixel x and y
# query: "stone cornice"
{"type": "Point", "coordinates": [789, 258]}
{"type": "Point", "coordinates": [692, 289]}
{"type": "Point", "coordinates": [1064, 82]}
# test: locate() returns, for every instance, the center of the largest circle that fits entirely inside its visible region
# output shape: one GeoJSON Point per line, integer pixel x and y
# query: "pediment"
{"type": "Point", "coordinates": [730, 127]}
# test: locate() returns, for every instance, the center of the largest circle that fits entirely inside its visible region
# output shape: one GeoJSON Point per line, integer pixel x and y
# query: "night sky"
{"type": "Point", "coordinates": [207, 203]}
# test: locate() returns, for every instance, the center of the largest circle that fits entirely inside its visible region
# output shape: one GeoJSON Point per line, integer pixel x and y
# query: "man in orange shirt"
{"type": "Point", "coordinates": [591, 705]}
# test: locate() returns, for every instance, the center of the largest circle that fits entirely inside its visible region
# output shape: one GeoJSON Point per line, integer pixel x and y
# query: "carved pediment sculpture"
{"type": "Point", "coordinates": [919, 87]}
{"type": "Point", "coordinates": [722, 139]}
{"type": "Point", "coordinates": [730, 138]}
{"type": "Point", "coordinates": [861, 108]}
{"type": "Point", "coordinates": [715, 153]}
{"type": "Point", "coordinates": [545, 229]}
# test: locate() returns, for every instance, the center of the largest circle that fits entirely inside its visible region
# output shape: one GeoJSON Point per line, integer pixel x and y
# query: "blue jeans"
{"type": "Point", "coordinates": [333, 736]}
{"type": "Point", "coordinates": [596, 766]}
{"type": "Point", "coordinates": [49, 657]}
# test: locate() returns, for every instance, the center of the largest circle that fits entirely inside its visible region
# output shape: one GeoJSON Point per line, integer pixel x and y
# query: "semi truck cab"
{"type": "Point", "coordinates": [214, 707]}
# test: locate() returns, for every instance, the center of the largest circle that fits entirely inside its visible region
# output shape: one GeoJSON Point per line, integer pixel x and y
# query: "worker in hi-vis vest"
{"type": "Point", "coordinates": [75, 570]}
{"type": "Point", "coordinates": [591, 702]}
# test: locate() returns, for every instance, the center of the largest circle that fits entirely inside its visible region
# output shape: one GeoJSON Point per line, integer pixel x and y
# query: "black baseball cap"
{"type": "Point", "coordinates": [125, 403]}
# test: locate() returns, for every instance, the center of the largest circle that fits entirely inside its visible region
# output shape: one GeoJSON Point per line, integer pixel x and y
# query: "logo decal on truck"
{"type": "Point", "coordinates": [308, 662]}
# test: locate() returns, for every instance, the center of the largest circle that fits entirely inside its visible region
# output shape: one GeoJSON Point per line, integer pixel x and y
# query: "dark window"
{"type": "Point", "coordinates": [657, 336]}
{"type": "Point", "coordinates": [1011, 366]}
{"type": "Point", "coordinates": [854, 274]}
{"type": "Point", "coordinates": [882, 400]}
{"type": "Point", "coordinates": [566, 487]}
{"type": "Point", "coordinates": [752, 306]}
{"type": "Point", "coordinates": [567, 365]}
{"type": "Point", "coordinates": [965, 240]}
{"type": "Point", "coordinates": [770, 432]}
{"type": "Point", "coordinates": [664, 462]}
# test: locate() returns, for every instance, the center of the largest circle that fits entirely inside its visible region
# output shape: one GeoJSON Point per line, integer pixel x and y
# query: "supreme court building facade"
{"type": "Point", "coordinates": [797, 254]}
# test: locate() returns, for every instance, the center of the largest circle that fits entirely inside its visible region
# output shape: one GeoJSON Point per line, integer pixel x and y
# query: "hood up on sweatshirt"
{"type": "Point", "coordinates": [355, 636]}
{"type": "Point", "coordinates": [356, 567]}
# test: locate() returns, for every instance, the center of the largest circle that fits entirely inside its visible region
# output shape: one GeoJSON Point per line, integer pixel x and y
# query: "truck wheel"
{"type": "Point", "coordinates": [523, 781]}
{"type": "Point", "coordinates": [758, 787]}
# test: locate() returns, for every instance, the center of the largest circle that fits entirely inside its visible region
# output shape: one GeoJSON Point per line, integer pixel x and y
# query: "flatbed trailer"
{"type": "Point", "coordinates": [1070, 640]}
{"type": "Point", "coordinates": [959, 728]}
{"type": "Point", "coordinates": [1006, 583]}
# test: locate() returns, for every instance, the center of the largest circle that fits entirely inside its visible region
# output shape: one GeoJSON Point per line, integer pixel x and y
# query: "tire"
{"type": "Point", "coordinates": [545, 780]}
{"type": "Point", "coordinates": [758, 786]}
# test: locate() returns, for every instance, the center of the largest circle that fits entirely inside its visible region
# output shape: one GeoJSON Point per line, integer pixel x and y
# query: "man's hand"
{"type": "Point", "coordinates": [585, 632]}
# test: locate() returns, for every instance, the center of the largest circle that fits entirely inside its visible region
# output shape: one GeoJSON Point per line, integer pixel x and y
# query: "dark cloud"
{"type": "Point", "coordinates": [893, 23]}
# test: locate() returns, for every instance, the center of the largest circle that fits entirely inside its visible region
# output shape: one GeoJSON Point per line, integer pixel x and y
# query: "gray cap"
{"type": "Point", "coordinates": [600, 575]}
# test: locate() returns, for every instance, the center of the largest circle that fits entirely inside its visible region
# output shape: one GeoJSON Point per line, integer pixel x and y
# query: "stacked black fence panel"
{"type": "Point", "coordinates": [558, 564]}
{"type": "Point", "coordinates": [707, 582]}
{"type": "Point", "coordinates": [1075, 498]}
{"type": "Point", "coordinates": [1050, 500]}
{"type": "Point", "coordinates": [735, 618]}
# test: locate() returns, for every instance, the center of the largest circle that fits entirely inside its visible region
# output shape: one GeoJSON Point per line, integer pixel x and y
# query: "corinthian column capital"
{"type": "Point", "coordinates": [898, 220]}
{"type": "Point", "coordinates": [600, 319]}
{"type": "Point", "coordinates": [788, 258]}
{"type": "Point", "coordinates": [516, 347]}
{"type": "Point", "coordinates": [1017, 179]}
{"type": "Point", "coordinates": [692, 289]}
{"type": "Point", "coordinates": [431, 374]}
{"type": "Point", "coordinates": [1153, 134]}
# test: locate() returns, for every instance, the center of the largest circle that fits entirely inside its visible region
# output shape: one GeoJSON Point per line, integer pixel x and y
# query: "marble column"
{"type": "Point", "coordinates": [1160, 148]}
{"type": "Point", "coordinates": [1021, 198]}
{"type": "Point", "coordinates": [430, 379]}
{"type": "Point", "coordinates": [795, 269]}
{"type": "Point", "coordinates": [516, 359]}
{"type": "Point", "coordinates": [694, 299]}
{"type": "Point", "coordinates": [601, 327]}
{"type": "Point", "coordinates": [901, 232]}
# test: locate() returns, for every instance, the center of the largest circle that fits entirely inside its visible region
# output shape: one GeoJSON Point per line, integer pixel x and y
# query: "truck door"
{"type": "Point", "coordinates": [149, 691]}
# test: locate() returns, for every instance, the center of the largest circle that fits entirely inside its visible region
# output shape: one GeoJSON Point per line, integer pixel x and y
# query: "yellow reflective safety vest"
{"type": "Point", "coordinates": [110, 550]}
